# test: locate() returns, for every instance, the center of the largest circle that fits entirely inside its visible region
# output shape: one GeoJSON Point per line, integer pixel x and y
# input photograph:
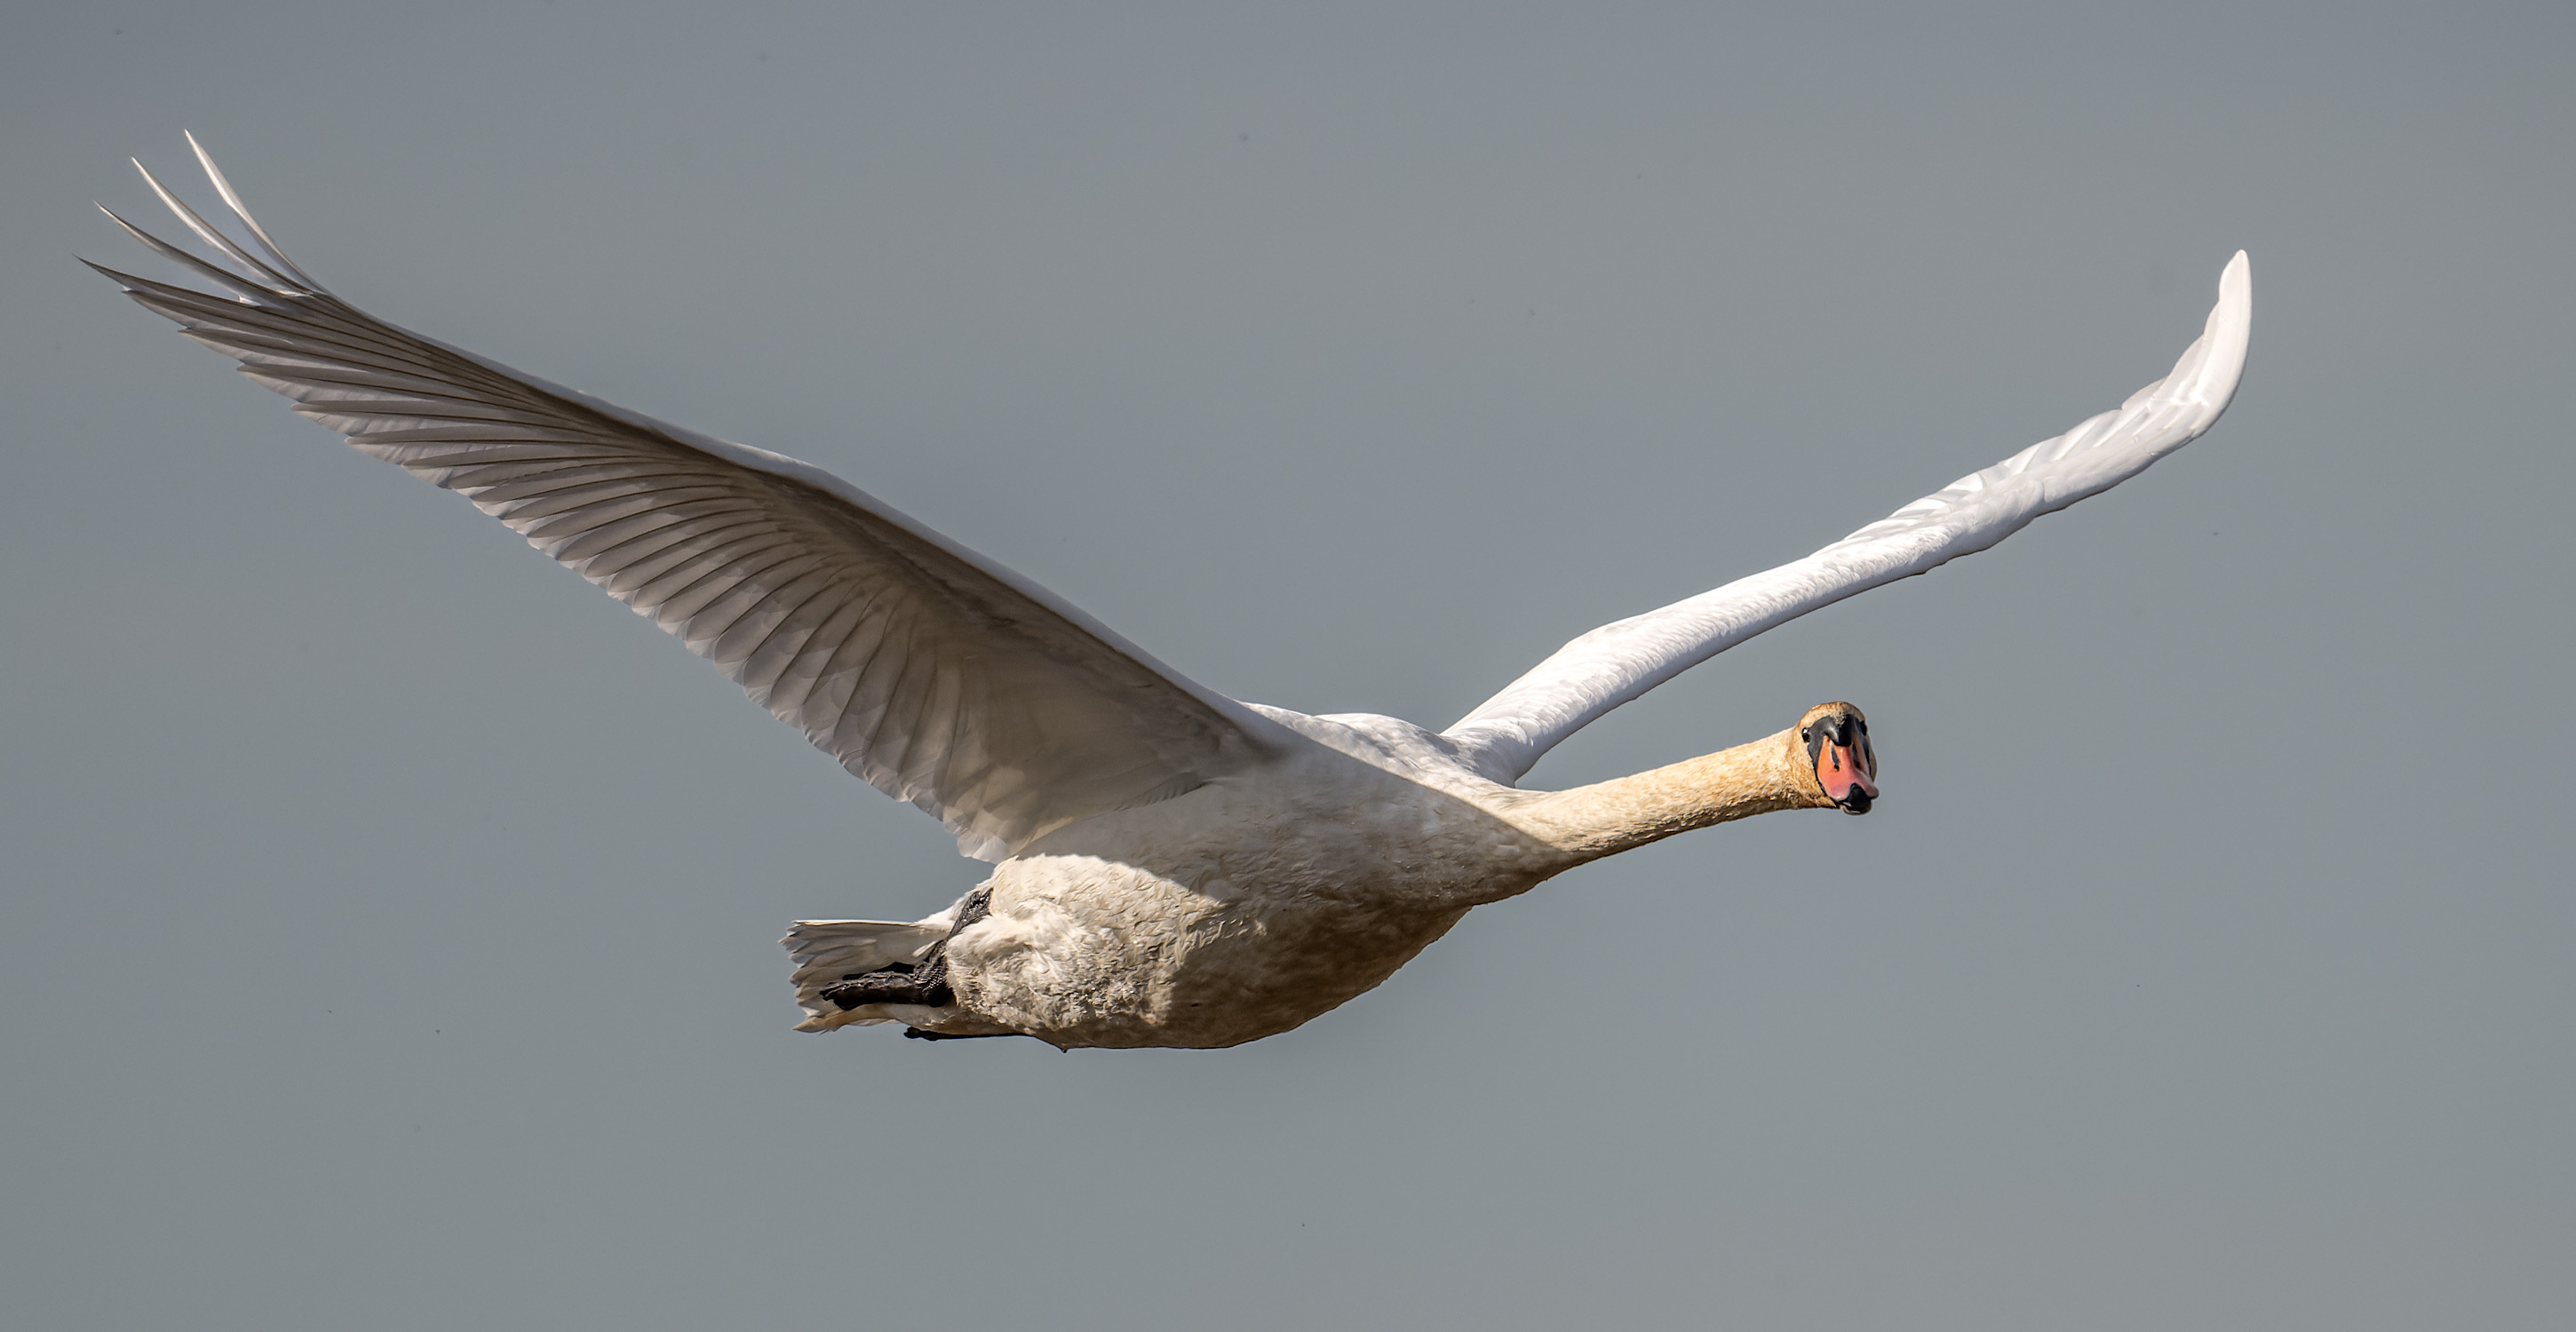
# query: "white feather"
{"type": "Point", "coordinates": [1619, 661]}
{"type": "Point", "coordinates": [932, 673]}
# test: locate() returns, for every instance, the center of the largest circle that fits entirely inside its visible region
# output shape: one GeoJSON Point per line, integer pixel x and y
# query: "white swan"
{"type": "Point", "coordinates": [1175, 868]}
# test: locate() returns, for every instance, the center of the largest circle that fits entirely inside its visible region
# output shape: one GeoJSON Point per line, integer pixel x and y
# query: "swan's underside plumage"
{"type": "Point", "coordinates": [1101, 778]}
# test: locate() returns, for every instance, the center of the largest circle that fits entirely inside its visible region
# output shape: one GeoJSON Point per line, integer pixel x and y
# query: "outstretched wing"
{"type": "Point", "coordinates": [1617, 662]}
{"type": "Point", "coordinates": [932, 673]}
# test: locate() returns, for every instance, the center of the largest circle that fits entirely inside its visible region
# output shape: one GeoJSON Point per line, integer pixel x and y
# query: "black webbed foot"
{"type": "Point", "coordinates": [927, 987]}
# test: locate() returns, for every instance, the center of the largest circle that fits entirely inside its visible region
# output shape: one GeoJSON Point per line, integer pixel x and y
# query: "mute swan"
{"type": "Point", "coordinates": [1175, 868]}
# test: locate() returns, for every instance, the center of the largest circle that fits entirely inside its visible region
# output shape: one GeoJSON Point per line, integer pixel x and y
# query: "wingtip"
{"type": "Point", "coordinates": [123, 281]}
{"type": "Point", "coordinates": [275, 256]}
{"type": "Point", "coordinates": [205, 160]}
{"type": "Point", "coordinates": [2224, 340]}
{"type": "Point", "coordinates": [2235, 296]}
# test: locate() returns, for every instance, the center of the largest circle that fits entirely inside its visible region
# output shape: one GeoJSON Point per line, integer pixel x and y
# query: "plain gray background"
{"type": "Point", "coordinates": [387, 931]}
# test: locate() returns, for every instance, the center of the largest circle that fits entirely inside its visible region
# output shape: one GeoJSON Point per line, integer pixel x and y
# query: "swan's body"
{"type": "Point", "coordinates": [1256, 902]}
{"type": "Point", "coordinates": [1175, 868]}
{"type": "Point", "coordinates": [1246, 906]}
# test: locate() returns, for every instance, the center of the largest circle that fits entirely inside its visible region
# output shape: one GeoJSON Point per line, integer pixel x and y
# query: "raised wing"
{"type": "Point", "coordinates": [1617, 662]}
{"type": "Point", "coordinates": [935, 675]}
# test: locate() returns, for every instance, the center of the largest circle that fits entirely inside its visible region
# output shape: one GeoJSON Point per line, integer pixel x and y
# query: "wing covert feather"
{"type": "Point", "coordinates": [929, 672]}
{"type": "Point", "coordinates": [1617, 662]}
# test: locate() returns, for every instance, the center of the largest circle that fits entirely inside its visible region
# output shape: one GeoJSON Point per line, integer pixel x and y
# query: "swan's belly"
{"type": "Point", "coordinates": [1081, 951]}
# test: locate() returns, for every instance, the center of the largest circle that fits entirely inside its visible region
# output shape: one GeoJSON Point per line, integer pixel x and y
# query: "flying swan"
{"type": "Point", "coordinates": [1171, 867]}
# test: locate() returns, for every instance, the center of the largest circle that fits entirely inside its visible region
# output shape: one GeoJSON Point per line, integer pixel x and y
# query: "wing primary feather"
{"type": "Point", "coordinates": [181, 257]}
{"type": "Point", "coordinates": [206, 231]}
{"type": "Point", "coordinates": [224, 188]}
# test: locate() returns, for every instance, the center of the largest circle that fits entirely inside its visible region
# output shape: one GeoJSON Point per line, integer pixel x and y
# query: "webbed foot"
{"type": "Point", "coordinates": [901, 983]}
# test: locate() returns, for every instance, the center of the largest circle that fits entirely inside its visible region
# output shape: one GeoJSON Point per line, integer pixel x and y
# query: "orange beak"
{"type": "Point", "coordinates": [1846, 782]}
{"type": "Point", "coordinates": [1845, 765]}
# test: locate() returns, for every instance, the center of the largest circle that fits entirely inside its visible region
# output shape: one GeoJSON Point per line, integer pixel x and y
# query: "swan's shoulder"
{"type": "Point", "coordinates": [1391, 744]}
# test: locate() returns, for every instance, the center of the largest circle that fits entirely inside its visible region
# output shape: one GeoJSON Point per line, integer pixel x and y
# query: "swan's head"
{"type": "Point", "coordinates": [1836, 737]}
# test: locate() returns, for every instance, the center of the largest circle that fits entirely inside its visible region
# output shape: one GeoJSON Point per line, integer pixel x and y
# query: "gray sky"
{"type": "Point", "coordinates": [387, 932]}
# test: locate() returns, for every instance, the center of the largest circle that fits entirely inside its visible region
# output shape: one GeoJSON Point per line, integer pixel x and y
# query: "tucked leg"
{"type": "Point", "coordinates": [924, 983]}
{"type": "Point", "coordinates": [902, 983]}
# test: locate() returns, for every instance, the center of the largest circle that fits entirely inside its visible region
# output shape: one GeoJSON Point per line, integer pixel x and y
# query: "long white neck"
{"type": "Point", "coordinates": [1627, 812]}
